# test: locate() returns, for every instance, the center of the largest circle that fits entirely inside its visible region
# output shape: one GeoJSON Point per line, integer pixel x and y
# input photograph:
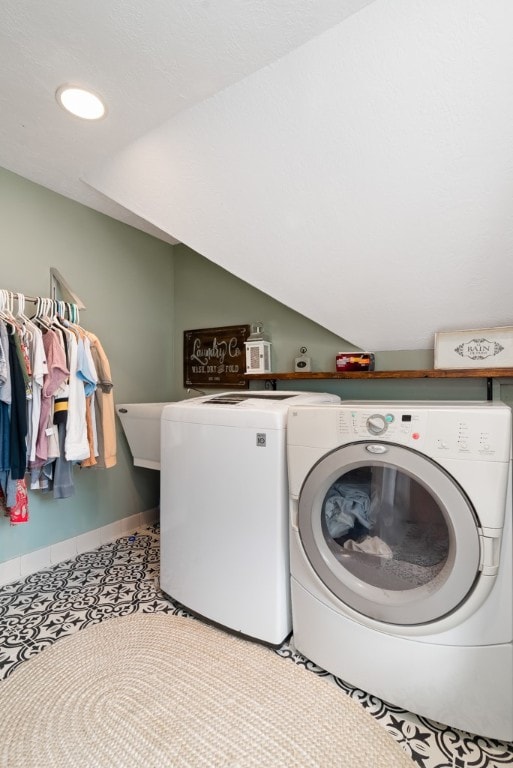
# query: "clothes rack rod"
{"type": "Point", "coordinates": [35, 299]}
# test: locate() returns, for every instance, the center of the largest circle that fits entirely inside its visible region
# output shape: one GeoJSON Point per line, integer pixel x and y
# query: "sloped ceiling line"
{"type": "Point", "coordinates": [364, 179]}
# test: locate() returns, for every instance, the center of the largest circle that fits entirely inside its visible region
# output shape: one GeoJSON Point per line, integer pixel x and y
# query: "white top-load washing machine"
{"type": "Point", "coordinates": [401, 554]}
{"type": "Point", "coordinates": [224, 508]}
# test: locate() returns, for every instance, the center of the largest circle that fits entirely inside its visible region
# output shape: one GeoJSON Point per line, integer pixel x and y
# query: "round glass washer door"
{"type": "Point", "coordinates": [389, 532]}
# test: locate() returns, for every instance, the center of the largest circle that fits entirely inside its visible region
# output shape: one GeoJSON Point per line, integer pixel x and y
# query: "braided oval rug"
{"type": "Point", "coordinates": [158, 691]}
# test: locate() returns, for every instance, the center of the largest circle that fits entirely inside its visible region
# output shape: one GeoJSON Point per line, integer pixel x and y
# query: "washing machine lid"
{"type": "Point", "coordinates": [236, 398]}
{"type": "Point", "coordinates": [259, 409]}
{"type": "Point", "coordinates": [366, 572]}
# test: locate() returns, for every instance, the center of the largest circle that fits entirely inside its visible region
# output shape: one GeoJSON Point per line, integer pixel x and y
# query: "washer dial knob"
{"type": "Point", "coordinates": [376, 424]}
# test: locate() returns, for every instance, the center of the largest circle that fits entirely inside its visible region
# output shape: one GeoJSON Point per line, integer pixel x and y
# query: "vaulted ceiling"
{"type": "Point", "coordinates": [148, 60]}
{"type": "Point", "coordinates": [352, 159]}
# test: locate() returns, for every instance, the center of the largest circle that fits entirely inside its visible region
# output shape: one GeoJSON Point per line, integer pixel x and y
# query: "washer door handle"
{"type": "Point", "coordinates": [376, 448]}
{"type": "Point", "coordinates": [490, 551]}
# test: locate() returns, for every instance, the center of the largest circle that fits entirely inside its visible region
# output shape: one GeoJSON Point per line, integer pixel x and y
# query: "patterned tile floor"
{"type": "Point", "coordinates": [120, 578]}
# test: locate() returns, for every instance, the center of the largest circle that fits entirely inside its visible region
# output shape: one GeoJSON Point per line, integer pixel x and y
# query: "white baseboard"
{"type": "Point", "coordinates": [19, 567]}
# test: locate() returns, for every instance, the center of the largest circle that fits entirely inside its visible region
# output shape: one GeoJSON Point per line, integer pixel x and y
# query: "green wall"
{"type": "Point", "coordinates": [125, 279]}
{"type": "Point", "coordinates": [141, 294]}
{"type": "Point", "coordinates": [208, 296]}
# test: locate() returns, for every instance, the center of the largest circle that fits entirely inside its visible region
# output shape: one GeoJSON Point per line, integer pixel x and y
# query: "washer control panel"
{"type": "Point", "coordinates": [391, 425]}
{"type": "Point", "coordinates": [458, 432]}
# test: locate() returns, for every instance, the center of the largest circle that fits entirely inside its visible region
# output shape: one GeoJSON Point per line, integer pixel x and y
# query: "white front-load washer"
{"type": "Point", "coordinates": [224, 509]}
{"type": "Point", "coordinates": [401, 554]}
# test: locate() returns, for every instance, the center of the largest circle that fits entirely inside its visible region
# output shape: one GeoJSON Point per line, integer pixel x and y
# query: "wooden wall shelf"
{"type": "Point", "coordinates": [461, 373]}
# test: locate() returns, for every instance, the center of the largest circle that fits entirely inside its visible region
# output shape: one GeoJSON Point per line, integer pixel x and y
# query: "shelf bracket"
{"type": "Point", "coordinates": [58, 282]}
{"type": "Point", "coordinates": [270, 384]}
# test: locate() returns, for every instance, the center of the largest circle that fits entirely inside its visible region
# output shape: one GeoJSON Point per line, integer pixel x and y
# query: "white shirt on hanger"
{"type": "Point", "coordinates": [76, 445]}
{"type": "Point", "coordinates": [39, 369]}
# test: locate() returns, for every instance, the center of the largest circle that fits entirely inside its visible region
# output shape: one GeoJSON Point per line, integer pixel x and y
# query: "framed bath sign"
{"type": "Point", "coordinates": [478, 348]}
{"type": "Point", "coordinates": [215, 357]}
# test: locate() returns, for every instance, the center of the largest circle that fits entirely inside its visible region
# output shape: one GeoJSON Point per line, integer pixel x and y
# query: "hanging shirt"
{"type": "Point", "coordinates": [39, 370]}
{"type": "Point", "coordinates": [62, 479]}
{"type": "Point", "coordinates": [104, 405]}
{"type": "Point", "coordinates": [5, 400]}
{"type": "Point", "coordinates": [18, 430]}
{"type": "Point", "coordinates": [56, 376]}
{"type": "Point", "coordinates": [76, 445]}
{"type": "Point", "coordinates": [86, 371]}
{"type": "Point", "coordinates": [5, 370]}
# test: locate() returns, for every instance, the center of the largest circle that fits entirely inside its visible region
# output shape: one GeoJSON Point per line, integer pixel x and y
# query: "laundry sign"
{"type": "Point", "coordinates": [215, 357]}
{"type": "Point", "coordinates": [477, 348]}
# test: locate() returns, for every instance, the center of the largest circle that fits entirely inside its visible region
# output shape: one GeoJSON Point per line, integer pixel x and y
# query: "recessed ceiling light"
{"type": "Point", "coordinates": [79, 102]}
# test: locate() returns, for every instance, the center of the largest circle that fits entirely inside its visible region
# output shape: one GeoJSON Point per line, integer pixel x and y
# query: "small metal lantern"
{"type": "Point", "coordinates": [258, 350]}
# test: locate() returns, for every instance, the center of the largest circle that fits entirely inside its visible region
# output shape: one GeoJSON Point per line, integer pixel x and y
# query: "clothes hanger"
{"type": "Point", "coordinates": [41, 318]}
{"type": "Point", "coordinates": [6, 311]}
{"type": "Point", "coordinates": [74, 317]}
{"type": "Point", "coordinates": [2, 304]}
{"type": "Point", "coordinates": [64, 306]}
{"type": "Point", "coordinates": [56, 321]}
{"type": "Point", "coordinates": [26, 324]}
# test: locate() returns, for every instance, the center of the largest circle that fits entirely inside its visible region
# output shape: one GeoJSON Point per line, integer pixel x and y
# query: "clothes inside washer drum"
{"type": "Point", "coordinates": [417, 558]}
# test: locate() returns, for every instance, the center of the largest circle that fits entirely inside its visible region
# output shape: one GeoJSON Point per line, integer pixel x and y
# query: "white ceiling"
{"type": "Point", "coordinates": [364, 179]}
{"type": "Point", "coordinates": [362, 146]}
{"type": "Point", "coordinates": [149, 60]}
